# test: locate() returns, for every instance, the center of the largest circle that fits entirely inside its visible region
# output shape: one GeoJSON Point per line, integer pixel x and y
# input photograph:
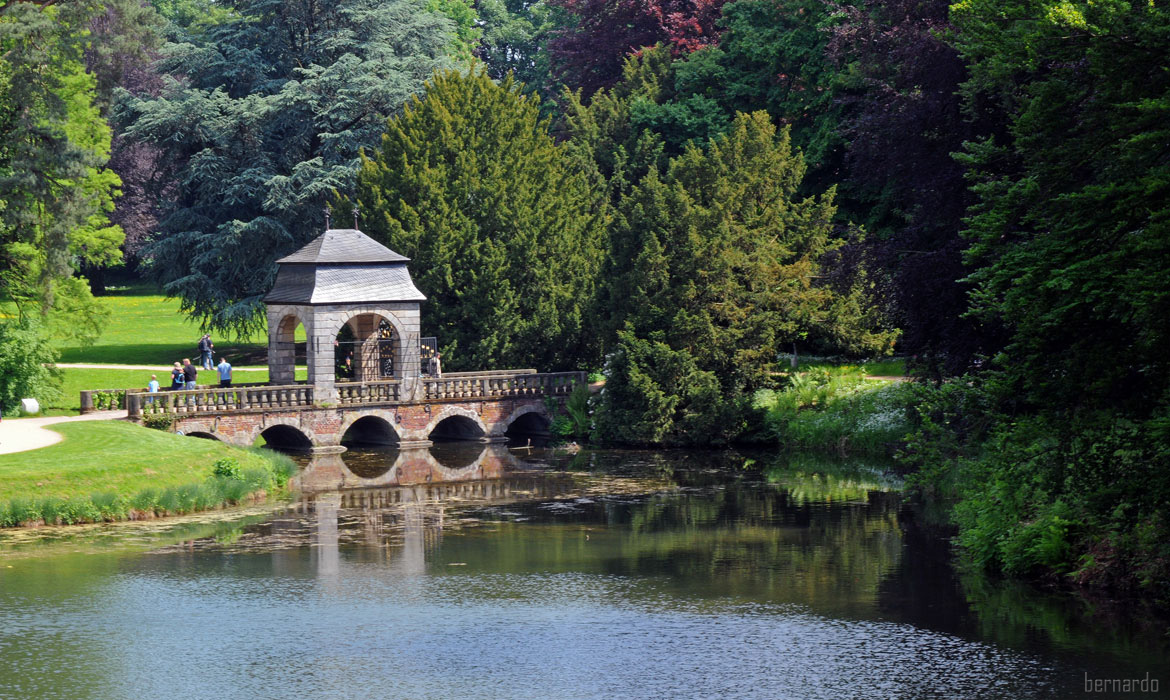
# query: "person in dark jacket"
{"type": "Point", "coordinates": [190, 373]}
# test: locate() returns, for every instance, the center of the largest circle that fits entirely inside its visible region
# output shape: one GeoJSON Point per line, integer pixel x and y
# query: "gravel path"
{"type": "Point", "coordinates": [18, 435]}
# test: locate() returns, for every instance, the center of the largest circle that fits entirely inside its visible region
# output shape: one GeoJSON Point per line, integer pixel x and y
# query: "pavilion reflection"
{"type": "Point", "coordinates": [395, 503]}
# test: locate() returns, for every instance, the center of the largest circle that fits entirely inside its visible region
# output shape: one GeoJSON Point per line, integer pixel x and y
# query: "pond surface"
{"type": "Point", "coordinates": [484, 572]}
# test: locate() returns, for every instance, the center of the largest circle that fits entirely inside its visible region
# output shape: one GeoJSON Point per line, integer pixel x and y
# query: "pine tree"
{"type": "Point", "coordinates": [503, 228]}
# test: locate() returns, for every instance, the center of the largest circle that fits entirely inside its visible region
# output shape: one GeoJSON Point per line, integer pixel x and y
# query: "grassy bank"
{"type": "Point", "coordinates": [836, 409]}
{"type": "Point", "coordinates": [106, 471]}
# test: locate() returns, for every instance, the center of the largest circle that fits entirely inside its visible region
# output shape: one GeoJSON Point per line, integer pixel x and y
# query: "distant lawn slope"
{"type": "Point", "coordinates": [112, 470]}
{"type": "Point", "coordinates": [146, 328]}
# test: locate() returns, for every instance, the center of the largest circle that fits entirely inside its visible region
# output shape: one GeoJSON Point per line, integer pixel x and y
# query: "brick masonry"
{"type": "Point", "coordinates": [413, 423]}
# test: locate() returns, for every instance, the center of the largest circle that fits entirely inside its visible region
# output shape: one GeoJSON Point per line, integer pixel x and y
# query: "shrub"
{"type": "Point", "coordinates": [158, 421]}
{"type": "Point", "coordinates": [26, 364]}
{"type": "Point", "coordinates": [227, 468]}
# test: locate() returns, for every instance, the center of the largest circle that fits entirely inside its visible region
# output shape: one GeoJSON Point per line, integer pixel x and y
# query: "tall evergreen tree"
{"type": "Point", "coordinates": [720, 260]}
{"type": "Point", "coordinates": [263, 121]}
{"type": "Point", "coordinates": [502, 226]}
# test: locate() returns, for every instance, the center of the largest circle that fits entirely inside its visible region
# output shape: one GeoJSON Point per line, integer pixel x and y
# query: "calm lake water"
{"type": "Point", "coordinates": [482, 572]}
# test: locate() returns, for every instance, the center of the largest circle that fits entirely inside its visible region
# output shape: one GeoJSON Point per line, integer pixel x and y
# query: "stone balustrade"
{"type": "Point", "coordinates": [220, 400]}
{"type": "Point", "coordinates": [358, 393]}
{"type": "Point", "coordinates": [262, 397]}
{"type": "Point", "coordinates": [500, 385]}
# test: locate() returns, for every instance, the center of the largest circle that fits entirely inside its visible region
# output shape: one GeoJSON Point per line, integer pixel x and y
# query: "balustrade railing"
{"type": "Point", "coordinates": [259, 397]}
{"type": "Point", "coordinates": [217, 400]}
{"type": "Point", "coordinates": [493, 385]}
{"type": "Point", "coordinates": [354, 393]}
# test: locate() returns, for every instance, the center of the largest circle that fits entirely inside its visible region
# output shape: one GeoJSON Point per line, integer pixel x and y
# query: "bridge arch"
{"type": "Point", "coordinates": [456, 423]}
{"type": "Point", "coordinates": [375, 427]}
{"type": "Point", "coordinates": [285, 434]}
{"type": "Point", "coordinates": [204, 435]}
{"type": "Point", "coordinates": [530, 420]}
{"type": "Point", "coordinates": [366, 349]}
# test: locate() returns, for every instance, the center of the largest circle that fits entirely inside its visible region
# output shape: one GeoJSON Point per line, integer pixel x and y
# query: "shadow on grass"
{"type": "Point", "coordinates": [163, 354]}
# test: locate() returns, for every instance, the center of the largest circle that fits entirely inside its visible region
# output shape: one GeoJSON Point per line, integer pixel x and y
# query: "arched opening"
{"type": "Point", "coordinates": [370, 431]}
{"type": "Point", "coordinates": [286, 438]}
{"type": "Point", "coordinates": [289, 351]}
{"type": "Point", "coordinates": [202, 435]}
{"type": "Point", "coordinates": [456, 428]}
{"type": "Point", "coordinates": [457, 456]}
{"type": "Point", "coordinates": [365, 350]}
{"type": "Point", "coordinates": [529, 425]}
{"type": "Point", "coordinates": [370, 464]}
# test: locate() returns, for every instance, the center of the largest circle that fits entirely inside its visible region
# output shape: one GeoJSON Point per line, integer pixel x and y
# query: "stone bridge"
{"type": "Point", "coordinates": [475, 406]}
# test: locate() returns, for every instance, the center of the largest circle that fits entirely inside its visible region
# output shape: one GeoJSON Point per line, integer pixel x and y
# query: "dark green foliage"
{"type": "Point", "coordinates": [504, 232]}
{"type": "Point", "coordinates": [274, 103]}
{"type": "Point", "coordinates": [227, 469]}
{"type": "Point", "coordinates": [712, 269]}
{"type": "Point", "coordinates": [26, 364]}
{"type": "Point", "coordinates": [1057, 454]}
{"type": "Point", "coordinates": [514, 33]}
{"type": "Point", "coordinates": [1086, 499]}
{"type": "Point", "coordinates": [1071, 232]}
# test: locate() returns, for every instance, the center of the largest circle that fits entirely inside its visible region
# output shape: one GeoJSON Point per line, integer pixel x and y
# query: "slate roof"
{"type": "Point", "coordinates": [343, 266]}
{"type": "Point", "coordinates": [343, 245]}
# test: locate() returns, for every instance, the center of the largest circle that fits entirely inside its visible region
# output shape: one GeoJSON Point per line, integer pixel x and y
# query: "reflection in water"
{"type": "Point", "coordinates": [366, 468]}
{"type": "Point", "coordinates": [647, 575]}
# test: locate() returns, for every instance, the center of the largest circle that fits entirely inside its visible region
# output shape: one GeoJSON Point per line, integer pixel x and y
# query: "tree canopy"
{"type": "Point", "coordinates": [261, 118]}
{"type": "Point", "coordinates": [502, 226]}
{"type": "Point", "coordinates": [717, 263]}
{"type": "Point", "coordinates": [55, 191]}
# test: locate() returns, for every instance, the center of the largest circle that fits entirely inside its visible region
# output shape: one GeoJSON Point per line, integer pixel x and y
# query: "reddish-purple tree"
{"type": "Point", "coordinates": [121, 56]}
{"type": "Point", "coordinates": [588, 52]}
{"type": "Point", "coordinates": [903, 123]}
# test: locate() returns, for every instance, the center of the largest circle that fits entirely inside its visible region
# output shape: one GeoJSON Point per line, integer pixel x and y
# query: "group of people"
{"type": "Point", "coordinates": [185, 375]}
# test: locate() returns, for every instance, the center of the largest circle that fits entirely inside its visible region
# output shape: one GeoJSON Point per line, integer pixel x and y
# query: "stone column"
{"type": "Point", "coordinates": [281, 347]}
{"type": "Point", "coordinates": [322, 334]}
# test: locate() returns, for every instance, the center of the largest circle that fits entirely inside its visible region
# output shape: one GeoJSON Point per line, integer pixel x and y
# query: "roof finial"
{"type": "Point", "coordinates": [326, 218]}
{"type": "Point", "coordinates": [357, 210]}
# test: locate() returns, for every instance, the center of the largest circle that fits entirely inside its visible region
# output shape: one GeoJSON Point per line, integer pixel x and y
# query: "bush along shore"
{"type": "Point", "coordinates": [136, 474]}
{"type": "Point", "coordinates": [1049, 495]}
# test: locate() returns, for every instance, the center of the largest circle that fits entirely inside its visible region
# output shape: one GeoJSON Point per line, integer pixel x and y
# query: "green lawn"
{"type": "Point", "coordinates": [105, 456]}
{"type": "Point", "coordinates": [147, 328]}
{"type": "Point", "coordinates": [111, 470]}
{"type": "Point", "coordinates": [887, 367]}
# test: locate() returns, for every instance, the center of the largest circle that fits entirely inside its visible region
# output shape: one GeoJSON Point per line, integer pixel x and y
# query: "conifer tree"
{"type": "Point", "coordinates": [262, 122]}
{"type": "Point", "coordinates": [502, 225]}
{"type": "Point", "coordinates": [725, 269]}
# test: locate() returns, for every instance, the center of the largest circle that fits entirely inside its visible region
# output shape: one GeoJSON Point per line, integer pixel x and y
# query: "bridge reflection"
{"type": "Point", "coordinates": [399, 499]}
{"type": "Point", "coordinates": [374, 468]}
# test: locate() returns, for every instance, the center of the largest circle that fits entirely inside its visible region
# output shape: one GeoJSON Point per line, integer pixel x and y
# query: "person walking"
{"type": "Point", "coordinates": [190, 373]}
{"type": "Point", "coordinates": [225, 372]}
{"type": "Point", "coordinates": [177, 378]}
{"type": "Point", "coordinates": [205, 345]}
